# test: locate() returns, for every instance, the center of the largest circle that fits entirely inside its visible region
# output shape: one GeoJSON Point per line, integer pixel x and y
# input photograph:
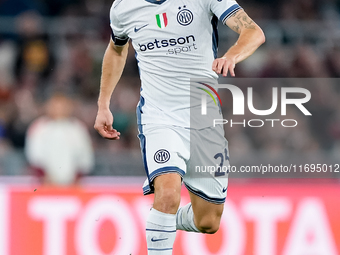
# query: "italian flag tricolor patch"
{"type": "Point", "coordinates": [162, 20]}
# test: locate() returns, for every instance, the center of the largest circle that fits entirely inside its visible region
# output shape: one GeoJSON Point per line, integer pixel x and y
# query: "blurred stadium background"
{"type": "Point", "coordinates": [57, 46]}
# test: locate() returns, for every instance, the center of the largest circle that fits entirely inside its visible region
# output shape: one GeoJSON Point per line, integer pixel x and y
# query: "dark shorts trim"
{"type": "Point", "coordinates": [149, 189]}
{"type": "Point", "coordinates": [204, 196]}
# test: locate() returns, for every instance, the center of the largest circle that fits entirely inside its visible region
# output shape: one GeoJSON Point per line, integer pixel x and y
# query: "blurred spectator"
{"type": "Point", "coordinates": [58, 146]}
{"type": "Point", "coordinates": [34, 56]}
{"type": "Point", "coordinates": [21, 111]}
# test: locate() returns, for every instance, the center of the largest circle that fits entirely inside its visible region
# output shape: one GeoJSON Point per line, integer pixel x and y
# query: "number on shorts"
{"type": "Point", "coordinates": [225, 157]}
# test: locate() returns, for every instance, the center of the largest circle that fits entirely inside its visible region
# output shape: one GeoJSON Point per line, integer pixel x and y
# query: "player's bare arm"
{"type": "Point", "coordinates": [112, 69]}
{"type": "Point", "coordinates": [251, 37]}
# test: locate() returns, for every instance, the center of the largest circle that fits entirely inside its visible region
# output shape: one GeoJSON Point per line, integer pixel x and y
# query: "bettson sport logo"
{"type": "Point", "coordinates": [239, 105]}
{"type": "Point", "coordinates": [180, 45]}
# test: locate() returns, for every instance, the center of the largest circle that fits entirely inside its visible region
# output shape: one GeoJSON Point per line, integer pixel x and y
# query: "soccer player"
{"type": "Point", "coordinates": [175, 42]}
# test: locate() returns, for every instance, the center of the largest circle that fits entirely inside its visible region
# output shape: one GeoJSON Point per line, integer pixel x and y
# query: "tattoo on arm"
{"type": "Point", "coordinates": [236, 28]}
{"type": "Point", "coordinates": [243, 20]}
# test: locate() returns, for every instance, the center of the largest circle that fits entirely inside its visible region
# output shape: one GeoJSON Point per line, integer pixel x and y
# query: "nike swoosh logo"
{"type": "Point", "coordinates": [224, 190]}
{"type": "Point", "coordinates": [157, 240]}
{"type": "Point", "coordinates": [137, 29]}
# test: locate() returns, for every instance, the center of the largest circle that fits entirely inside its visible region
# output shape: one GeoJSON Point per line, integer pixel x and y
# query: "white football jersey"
{"type": "Point", "coordinates": [175, 41]}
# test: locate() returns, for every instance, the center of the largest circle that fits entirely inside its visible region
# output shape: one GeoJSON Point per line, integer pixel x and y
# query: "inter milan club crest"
{"type": "Point", "coordinates": [161, 156]}
{"type": "Point", "coordinates": [162, 20]}
{"type": "Point", "coordinates": [184, 16]}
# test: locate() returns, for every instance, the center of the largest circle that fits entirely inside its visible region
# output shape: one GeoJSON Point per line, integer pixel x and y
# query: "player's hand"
{"type": "Point", "coordinates": [103, 125]}
{"type": "Point", "coordinates": [224, 65]}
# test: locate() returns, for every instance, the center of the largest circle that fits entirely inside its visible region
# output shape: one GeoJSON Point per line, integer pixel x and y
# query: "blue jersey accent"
{"type": "Point", "coordinates": [139, 110]}
{"type": "Point", "coordinates": [156, 1]}
{"type": "Point", "coordinates": [143, 150]}
{"type": "Point", "coordinates": [214, 21]}
{"type": "Point", "coordinates": [229, 12]}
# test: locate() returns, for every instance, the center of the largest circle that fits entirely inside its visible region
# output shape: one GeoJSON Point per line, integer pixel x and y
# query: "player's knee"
{"type": "Point", "coordinates": [167, 200]}
{"type": "Point", "coordinates": [209, 229]}
{"type": "Point", "coordinates": [208, 225]}
{"type": "Point", "coordinates": [167, 193]}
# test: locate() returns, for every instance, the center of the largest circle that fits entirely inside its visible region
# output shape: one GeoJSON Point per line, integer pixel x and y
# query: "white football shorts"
{"type": "Point", "coordinates": [200, 157]}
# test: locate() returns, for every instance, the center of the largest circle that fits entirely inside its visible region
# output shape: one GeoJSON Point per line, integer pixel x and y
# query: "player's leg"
{"type": "Point", "coordinates": [199, 216]}
{"type": "Point", "coordinates": [207, 189]}
{"type": "Point", "coordinates": [161, 222]}
{"type": "Point", "coordinates": [207, 216]}
{"type": "Point", "coordinates": [165, 167]}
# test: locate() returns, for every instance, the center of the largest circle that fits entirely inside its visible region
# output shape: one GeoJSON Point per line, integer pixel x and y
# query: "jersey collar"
{"type": "Point", "coordinates": [155, 1]}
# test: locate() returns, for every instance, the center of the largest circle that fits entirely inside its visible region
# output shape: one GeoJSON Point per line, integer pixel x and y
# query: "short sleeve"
{"type": "Point", "coordinates": [117, 30]}
{"type": "Point", "coordinates": [224, 9]}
